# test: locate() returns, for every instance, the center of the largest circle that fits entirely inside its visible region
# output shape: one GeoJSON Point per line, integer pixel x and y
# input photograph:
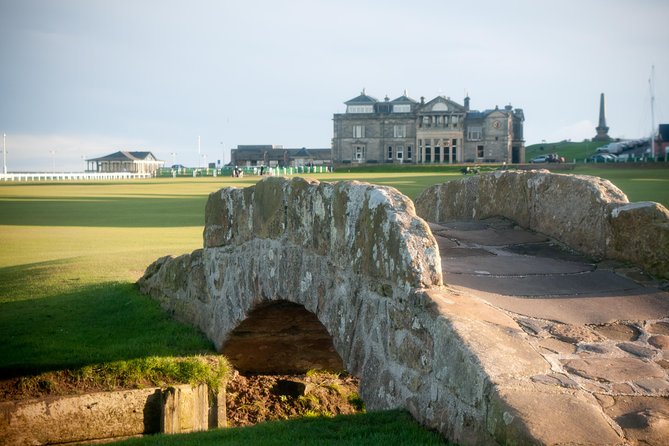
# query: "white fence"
{"type": "Point", "coordinates": [43, 176]}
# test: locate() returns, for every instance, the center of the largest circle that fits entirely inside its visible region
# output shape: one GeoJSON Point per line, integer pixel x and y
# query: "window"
{"type": "Point", "coordinates": [474, 133]}
{"type": "Point", "coordinates": [399, 131]}
{"type": "Point", "coordinates": [437, 154]}
{"type": "Point", "coordinates": [454, 142]}
{"type": "Point", "coordinates": [428, 151]}
{"type": "Point", "coordinates": [360, 153]}
{"type": "Point", "coordinates": [409, 152]}
{"type": "Point", "coordinates": [358, 131]}
{"type": "Point", "coordinates": [400, 153]}
{"type": "Point", "coordinates": [454, 120]}
{"type": "Point", "coordinates": [479, 151]}
{"type": "Point", "coordinates": [390, 152]}
{"type": "Point", "coordinates": [360, 109]}
{"type": "Point", "coordinates": [402, 108]}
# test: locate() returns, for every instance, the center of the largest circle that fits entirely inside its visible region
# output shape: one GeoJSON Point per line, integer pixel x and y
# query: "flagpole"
{"type": "Point", "coordinates": [4, 153]}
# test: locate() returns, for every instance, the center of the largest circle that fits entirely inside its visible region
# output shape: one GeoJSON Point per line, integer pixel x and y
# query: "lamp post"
{"type": "Point", "coordinates": [53, 156]}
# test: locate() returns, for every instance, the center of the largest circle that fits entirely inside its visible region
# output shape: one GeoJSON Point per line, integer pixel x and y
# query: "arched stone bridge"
{"type": "Point", "coordinates": [346, 275]}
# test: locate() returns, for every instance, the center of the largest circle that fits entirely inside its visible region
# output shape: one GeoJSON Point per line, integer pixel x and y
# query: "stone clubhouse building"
{"type": "Point", "coordinates": [438, 131]}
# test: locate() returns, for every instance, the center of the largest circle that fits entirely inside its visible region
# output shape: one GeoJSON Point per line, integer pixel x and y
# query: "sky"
{"type": "Point", "coordinates": [84, 78]}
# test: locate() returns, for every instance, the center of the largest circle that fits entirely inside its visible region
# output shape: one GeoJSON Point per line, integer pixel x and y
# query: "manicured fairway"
{"type": "Point", "coordinates": [639, 184]}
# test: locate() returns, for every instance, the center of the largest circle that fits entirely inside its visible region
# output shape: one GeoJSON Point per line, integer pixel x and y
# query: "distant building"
{"type": "Point", "coordinates": [122, 161]}
{"type": "Point", "coordinates": [662, 141]}
{"type": "Point", "coordinates": [602, 129]}
{"type": "Point", "coordinates": [277, 156]}
{"type": "Point", "coordinates": [438, 131]}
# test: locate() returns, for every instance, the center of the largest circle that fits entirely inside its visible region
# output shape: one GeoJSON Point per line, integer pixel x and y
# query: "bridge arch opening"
{"type": "Point", "coordinates": [281, 338]}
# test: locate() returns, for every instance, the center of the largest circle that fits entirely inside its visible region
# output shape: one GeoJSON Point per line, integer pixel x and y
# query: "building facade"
{"type": "Point", "coordinates": [123, 161]}
{"type": "Point", "coordinates": [439, 131]}
{"type": "Point", "coordinates": [276, 156]}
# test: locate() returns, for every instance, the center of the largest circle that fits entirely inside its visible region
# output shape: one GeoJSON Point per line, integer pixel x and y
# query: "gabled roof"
{"type": "Point", "coordinates": [302, 152]}
{"type": "Point", "coordinates": [317, 154]}
{"type": "Point", "coordinates": [362, 99]}
{"type": "Point", "coordinates": [126, 156]}
{"type": "Point", "coordinates": [441, 99]}
{"type": "Point", "coordinates": [404, 99]}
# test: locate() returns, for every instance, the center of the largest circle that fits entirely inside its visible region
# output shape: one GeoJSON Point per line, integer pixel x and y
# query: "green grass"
{"type": "Point", "coordinates": [151, 371]}
{"type": "Point", "coordinates": [569, 150]}
{"type": "Point", "coordinates": [89, 325]}
{"type": "Point", "coordinates": [372, 428]}
{"type": "Point", "coordinates": [638, 183]}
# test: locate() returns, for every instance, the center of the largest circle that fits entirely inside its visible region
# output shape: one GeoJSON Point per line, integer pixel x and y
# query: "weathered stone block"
{"type": "Point", "coordinates": [587, 213]}
{"type": "Point", "coordinates": [640, 234]}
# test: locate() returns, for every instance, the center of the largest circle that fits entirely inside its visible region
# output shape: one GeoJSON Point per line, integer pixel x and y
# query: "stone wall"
{"type": "Point", "coordinates": [359, 258]}
{"type": "Point", "coordinates": [589, 214]}
{"type": "Point", "coordinates": [111, 415]}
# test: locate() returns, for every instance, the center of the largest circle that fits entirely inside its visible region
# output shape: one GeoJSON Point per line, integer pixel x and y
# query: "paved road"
{"type": "Point", "coordinates": [602, 327]}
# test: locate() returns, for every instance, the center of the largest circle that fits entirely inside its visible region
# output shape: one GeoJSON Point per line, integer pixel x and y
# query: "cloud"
{"type": "Point", "coordinates": [62, 153]}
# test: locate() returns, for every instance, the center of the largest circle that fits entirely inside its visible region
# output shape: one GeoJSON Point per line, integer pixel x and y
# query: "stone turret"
{"type": "Point", "coordinates": [602, 129]}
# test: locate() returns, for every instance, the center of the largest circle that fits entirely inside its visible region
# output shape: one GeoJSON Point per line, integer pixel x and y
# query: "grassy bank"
{"type": "Point", "coordinates": [567, 149]}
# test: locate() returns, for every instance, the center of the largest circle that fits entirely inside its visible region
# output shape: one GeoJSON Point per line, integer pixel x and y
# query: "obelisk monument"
{"type": "Point", "coordinates": [602, 129]}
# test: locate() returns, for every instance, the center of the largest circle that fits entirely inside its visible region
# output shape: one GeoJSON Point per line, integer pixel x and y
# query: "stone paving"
{"type": "Point", "coordinates": [603, 327]}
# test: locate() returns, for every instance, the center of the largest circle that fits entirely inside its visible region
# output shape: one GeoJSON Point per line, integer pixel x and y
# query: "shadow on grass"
{"type": "Point", "coordinates": [388, 428]}
{"type": "Point", "coordinates": [89, 325]}
{"type": "Point", "coordinates": [105, 212]}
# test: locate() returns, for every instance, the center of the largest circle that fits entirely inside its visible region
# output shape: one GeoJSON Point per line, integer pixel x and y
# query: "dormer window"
{"type": "Point", "coordinates": [402, 108]}
{"type": "Point", "coordinates": [360, 109]}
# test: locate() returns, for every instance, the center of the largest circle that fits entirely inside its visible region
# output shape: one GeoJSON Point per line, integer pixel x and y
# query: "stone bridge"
{"type": "Point", "coordinates": [297, 274]}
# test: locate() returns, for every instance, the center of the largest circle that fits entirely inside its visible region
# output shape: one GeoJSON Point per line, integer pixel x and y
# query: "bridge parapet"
{"type": "Point", "coordinates": [367, 229]}
{"type": "Point", "coordinates": [589, 214]}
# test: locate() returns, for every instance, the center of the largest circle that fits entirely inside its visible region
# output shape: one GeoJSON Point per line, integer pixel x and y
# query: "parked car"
{"type": "Point", "coordinates": [603, 158]}
{"type": "Point", "coordinates": [550, 158]}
